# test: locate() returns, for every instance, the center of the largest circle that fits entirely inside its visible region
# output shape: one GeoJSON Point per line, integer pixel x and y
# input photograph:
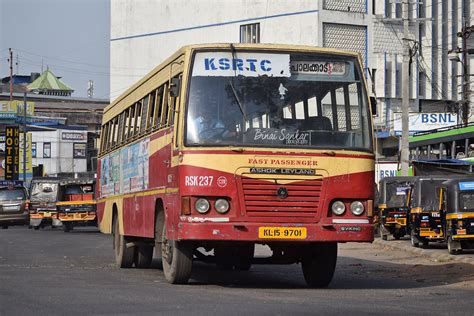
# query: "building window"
{"type": "Point", "coordinates": [79, 150]}
{"type": "Point", "coordinates": [33, 150]}
{"type": "Point", "coordinates": [346, 5]}
{"type": "Point", "coordinates": [46, 150]}
{"type": "Point", "coordinates": [250, 33]}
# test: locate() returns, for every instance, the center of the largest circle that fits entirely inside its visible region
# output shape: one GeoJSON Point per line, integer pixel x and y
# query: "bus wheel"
{"type": "Point", "coordinates": [177, 259]}
{"type": "Point", "coordinates": [143, 256]}
{"type": "Point", "coordinates": [123, 255]}
{"type": "Point", "coordinates": [413, 239]}
{"type": "Point", "coordinates": [4, 226]}
{"type": "Point", "coordinates": [319, 263]}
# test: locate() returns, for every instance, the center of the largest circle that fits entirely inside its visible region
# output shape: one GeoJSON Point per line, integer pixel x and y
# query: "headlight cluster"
{"type": "Point", "coordinates": [203, 206]}
{"type": "Point", "coordinates": [356, 207]}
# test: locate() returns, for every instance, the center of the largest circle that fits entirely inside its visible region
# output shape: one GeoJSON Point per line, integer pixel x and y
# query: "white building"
{"type": "Point", "coordinates": [143, 33]}
{"type": "Point", "coordinates": [60, 151]}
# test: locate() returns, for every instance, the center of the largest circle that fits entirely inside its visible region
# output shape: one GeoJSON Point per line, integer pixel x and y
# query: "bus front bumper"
{"type": "Point", "coordinates": [268, 232]}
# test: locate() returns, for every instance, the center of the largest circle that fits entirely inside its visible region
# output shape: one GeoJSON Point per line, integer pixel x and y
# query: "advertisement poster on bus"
{"type": "Point", "coordinates": [134, 167]}
{"type": "Point", "coordinates": [110, 174]}
{"type": "Point", "coordinates": [419, 122]}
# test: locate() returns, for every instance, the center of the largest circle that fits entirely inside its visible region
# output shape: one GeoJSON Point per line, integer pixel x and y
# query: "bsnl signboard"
{"type": "Point", "coordinates": [424, 121]}
{"type": "Point", "coordinates": [12, 152]}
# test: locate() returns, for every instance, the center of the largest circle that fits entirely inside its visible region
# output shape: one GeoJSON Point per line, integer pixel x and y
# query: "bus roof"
{"type": "Point", "coordinates": [269, 47]}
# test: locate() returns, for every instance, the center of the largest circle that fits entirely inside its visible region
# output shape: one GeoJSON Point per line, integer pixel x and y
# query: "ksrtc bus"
{"type": "Point", "coordinates": [225, 146]}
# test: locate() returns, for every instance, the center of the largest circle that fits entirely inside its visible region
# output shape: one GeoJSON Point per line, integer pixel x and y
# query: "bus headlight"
{"type": "Point", "coordinates": [357, 208]}
{"type": "Point", "coordinates": [338, 208]}
{"type": "Point", "coordinates": [202, 205]}
{"type": "Point", "coordinates": [222, 206]}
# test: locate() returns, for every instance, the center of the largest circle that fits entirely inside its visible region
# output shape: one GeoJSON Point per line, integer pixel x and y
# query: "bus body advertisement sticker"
{"type": "Point", "coordinates": [226, 64]}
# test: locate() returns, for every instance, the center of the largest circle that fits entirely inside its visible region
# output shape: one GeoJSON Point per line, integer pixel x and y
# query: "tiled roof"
{"type": "Point", "coordinates": [49, 82]}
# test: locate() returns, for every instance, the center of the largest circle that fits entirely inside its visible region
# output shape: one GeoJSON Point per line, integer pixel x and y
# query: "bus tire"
{"type": "Point", "coordinates": [123, 256]}
{"type": "Point", "coordinates": [318, 264]}
{"type": "Point", "coordinates": [143, 256]}
{"type": "Point", "coordinates": [177, 259]}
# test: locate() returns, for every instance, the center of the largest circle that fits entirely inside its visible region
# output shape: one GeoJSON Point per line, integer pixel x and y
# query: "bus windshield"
{"type": "Point", "coordinates": [277, 100]}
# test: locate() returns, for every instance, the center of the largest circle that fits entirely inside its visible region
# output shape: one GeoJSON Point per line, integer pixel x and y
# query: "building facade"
{"type": "Point", "coordinates": [144, 33]}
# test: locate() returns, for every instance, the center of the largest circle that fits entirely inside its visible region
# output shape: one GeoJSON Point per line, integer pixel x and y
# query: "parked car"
{"type": "Point", "coordinates": [13, 205]}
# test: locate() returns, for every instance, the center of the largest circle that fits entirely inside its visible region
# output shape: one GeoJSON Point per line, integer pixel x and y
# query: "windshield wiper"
{"type": "Point", "coordinates": [232, 49]}
{"type": "Point", "coordinates": [237, 99]}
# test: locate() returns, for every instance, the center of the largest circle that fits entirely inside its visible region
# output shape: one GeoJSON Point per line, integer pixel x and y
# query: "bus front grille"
{"type": "Point", "coordinates": [282, 198]}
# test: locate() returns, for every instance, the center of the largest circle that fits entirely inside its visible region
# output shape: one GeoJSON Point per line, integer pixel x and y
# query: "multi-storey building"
{"type": "Point", "coordinates": [143, 33]}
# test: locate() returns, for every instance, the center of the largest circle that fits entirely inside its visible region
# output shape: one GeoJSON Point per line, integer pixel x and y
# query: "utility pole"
{"type": "Point", "coordinates": [404, 150]}
{"type": "Point", "coordinates": [464, 34]}
{"type": "Point", "coordinates": [11, 73]}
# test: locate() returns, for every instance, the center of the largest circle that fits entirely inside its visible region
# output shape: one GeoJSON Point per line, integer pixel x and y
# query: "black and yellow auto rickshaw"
{"type": "Point", "coordinates": [425, 218]}
{"type": "Point", "coordinates": [43, 198]}
{"type": "Point", "coordinates": [393, 206]}
{"type": "Point", "coordinates": [76, 204]}
{"type": "Point", "coordinates": [456, 198]}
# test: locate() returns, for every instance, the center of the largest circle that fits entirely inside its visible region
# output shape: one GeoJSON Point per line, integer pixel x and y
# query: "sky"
{"type": "Point", "coordinates": [70, 37]}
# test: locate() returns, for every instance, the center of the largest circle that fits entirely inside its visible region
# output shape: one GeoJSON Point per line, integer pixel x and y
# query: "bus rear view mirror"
{"type": "Point", "coordinates": [174, 87]}
{"type": "Point", "coordinates": [373, 105]}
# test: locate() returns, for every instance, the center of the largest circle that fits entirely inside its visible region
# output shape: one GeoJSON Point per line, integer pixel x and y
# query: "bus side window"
{"type": "Point", "coordinates": [151, 111]}
{"type": "Point", "coordinates": [138, 116]}
{"type": "Point", "coordinates": [158, 108]}
{"type": "Point", "coordinates": [109, 135]}
{"type": "Point", "coordinates": [120, 128]}
{"type": "Point", "coordinates": [114, 131]}
{"type": "Point", "coordinates": [164, 119]}
{"type": "Point", "coordinates": [103, 138]}
{"type": "Point", "coordinates": [131, 127]}
{"type": "Point", "coordinates": [145, 105]}
{"type": "Point", "coordinates": [126, 124]}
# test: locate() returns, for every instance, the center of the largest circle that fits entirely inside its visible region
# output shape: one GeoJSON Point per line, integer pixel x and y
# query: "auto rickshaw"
{"type": "Point", "coordinates": [393, 206]}
{"type": "Point", "coordinates": [456, 198]}
{"type": "Point", "coordinates": [425, 219]}
{"type": "Point", "coordinates": [76, 205]}
{"type": "Point", "coordinates": [43, 198]}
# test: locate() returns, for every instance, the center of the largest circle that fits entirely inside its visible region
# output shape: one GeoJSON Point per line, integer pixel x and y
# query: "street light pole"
{"type": "Point", "coordinates": [24, 138]}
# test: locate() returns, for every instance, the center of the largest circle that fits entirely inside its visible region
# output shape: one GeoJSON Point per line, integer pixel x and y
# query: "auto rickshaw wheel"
{"type": "Point", "coordinates": [384, 237]}
{"type": "Point", "coordinates": [451, 248]}
{"type": "Point", "coordinates": [318, 264]}
{"type": "Point", "coordinates": [413, 239]}
{"type": "Point", "coordinates": [36, 227]}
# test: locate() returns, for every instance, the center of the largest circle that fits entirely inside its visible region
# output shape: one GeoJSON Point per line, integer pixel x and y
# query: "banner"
{"type": "Point", "coordinates": [29, 165]}
{"type": "Point", "coordinates": [14, 108]}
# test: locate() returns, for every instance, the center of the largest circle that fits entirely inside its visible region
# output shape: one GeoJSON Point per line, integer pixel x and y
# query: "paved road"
{"type": "Point", "coordinates": [51, 272]}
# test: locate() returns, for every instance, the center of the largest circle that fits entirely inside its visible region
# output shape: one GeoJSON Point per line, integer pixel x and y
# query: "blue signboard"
{"type": "Point", "coordinates": [464, 186]}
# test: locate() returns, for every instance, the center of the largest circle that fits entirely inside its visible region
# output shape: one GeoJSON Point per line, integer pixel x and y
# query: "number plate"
{"type": "Point", "coordinates": [282, 232]}
{"type": "Point", "coordinates": [46, 214]}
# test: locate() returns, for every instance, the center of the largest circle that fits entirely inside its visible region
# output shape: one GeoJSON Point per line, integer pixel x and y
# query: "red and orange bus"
{"type": "Point", "coordinates": [225, 146]}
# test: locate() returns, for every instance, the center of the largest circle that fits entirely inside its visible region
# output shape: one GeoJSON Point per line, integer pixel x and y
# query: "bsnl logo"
{"type": "Point", "coordinates": [237, 64]}
{"type": "Point", "coordinates": [437, 118]}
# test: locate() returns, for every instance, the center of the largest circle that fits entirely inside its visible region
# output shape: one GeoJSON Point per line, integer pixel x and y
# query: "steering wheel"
{"type": "Point", "coordinates": [212, 134]}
